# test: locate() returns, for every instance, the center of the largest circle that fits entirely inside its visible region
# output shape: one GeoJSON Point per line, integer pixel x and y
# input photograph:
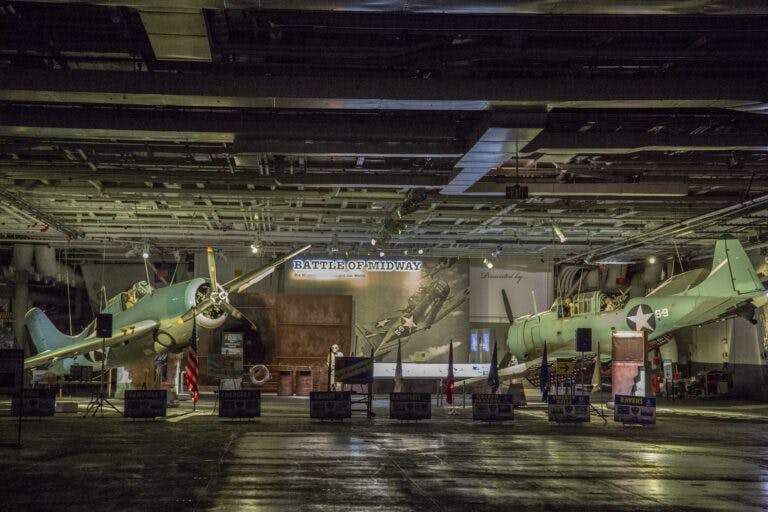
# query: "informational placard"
{"type": "Point", "coordinates": [35, 402]}
{"type": "Point", "coordinates": [330, 405]}
{"type": "Point", "coordinates": [492, 407]}
{"type": "Point", "coordinates": [145, 403]}
{"type": "Point", "coordinates": [568, 408]}
{"type": "Point", "coordinates": [11, 371]}
{"type": "Point", "coordinates": [354, 370]}
{"type": "Point", "coordinates": [243, 403]}
{"type": "Point", "coordinates": [410, 406]}
{"type": "Point", "coordinates": [232, 343]}
{"type": "Point", "coordinates": [634, 409]}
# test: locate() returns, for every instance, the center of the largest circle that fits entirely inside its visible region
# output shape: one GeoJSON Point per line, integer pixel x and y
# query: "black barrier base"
{"type": "Point", "coordinates": [492, 407]}
{"type": "Point", "coordinates": [410, 406]}
{"type": "Point", "coordinates": [239, 404]}
{"type": "Point", "coordinates": [330, 405]}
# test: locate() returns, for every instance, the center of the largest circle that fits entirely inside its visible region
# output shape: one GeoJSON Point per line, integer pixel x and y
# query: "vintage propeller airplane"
{"type": "Point", "coordinates": [145, 321]}
{"type": "Point", "coordinates": [732, 287]}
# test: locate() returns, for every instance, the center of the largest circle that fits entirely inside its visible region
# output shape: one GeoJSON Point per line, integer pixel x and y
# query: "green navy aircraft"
{"type": "Point", "coordinates": [732, 287]}
{"type": "Point", "coordinates": [145, 321]}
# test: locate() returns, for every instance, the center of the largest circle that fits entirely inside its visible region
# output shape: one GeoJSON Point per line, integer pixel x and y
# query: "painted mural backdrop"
{"type": "Point", "coordinates": [422, 303]}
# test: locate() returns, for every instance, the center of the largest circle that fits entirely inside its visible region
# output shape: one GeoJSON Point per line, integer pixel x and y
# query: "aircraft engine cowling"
{"type": "Point", "coordinates": [212, 317]}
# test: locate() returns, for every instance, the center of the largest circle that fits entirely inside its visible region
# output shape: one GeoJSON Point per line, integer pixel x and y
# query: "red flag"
{"type": "Point", "coordinates": [449, 381]}
{"type": "Point", "coordinates": [191, 369]}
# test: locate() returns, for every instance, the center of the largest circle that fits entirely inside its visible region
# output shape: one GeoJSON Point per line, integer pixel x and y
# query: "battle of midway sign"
{"type": "Point", "coordinates": [349, 269]}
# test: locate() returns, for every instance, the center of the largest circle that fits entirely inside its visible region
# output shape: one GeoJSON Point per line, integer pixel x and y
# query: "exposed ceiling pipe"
{"type": "Point", "coordinates": [672, 230]}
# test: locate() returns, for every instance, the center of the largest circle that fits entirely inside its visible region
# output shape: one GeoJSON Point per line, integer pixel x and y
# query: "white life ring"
{"type": "Point", "coordinates": [259, 374]}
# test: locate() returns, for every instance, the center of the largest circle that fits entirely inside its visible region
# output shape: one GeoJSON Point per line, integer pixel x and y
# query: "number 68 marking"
{"type": "Point", "coordinates": [662, 313]}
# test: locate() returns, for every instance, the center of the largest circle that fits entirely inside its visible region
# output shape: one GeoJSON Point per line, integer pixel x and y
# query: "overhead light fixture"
{"type": "Point", "coordinates": [373, 241]}
{"type": "Point", "coordinates": [381, 254]}
{"type": "Point", "coordinates": [488, 263]}
{"type": "Point", "coordinates": [559, 233]}
{"type": "Point", "coordinates": [652, 260]}
{"type": "Point", "coordinates": [421, 251]}
{"type": "Point", "coordinates": [405, 252]}
{"type": "Point", "coordinates": [145, 252]}
{"type": "Point", "coordinates": [495, 253]}
{"type": "Point", "coordinates": [256, 247]}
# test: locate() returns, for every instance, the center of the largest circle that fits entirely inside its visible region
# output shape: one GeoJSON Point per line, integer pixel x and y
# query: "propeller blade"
{"type": "Point", "coordinates": [235, 313]}
{"type": "Point", "coordinates": [212, 268]}
{"type": "Point", "coordinates": [203, 306]}
{"type": "Point", "coordinates": [507, 307]}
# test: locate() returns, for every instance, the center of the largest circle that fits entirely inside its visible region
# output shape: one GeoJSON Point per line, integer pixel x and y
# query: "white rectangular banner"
{"type": "Point", "coordinates": [485, 304]}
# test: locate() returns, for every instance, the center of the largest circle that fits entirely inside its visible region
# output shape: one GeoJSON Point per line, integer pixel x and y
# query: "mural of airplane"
{"type": "Point", "coordinates": [145, 321]}
{"type": "Point", "coordinates": [732, 287]}
{"type": "Point", "coordinates": [430, 304]}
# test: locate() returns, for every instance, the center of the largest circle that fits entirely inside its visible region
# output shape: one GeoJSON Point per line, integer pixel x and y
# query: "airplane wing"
{"type": "Point", "coordinates": [530, 369]}
{"type": "Point", "coordinates": [451, 306]}
{"type": "Point", "coordinates": [239, 284]}
{"type": "Point", "coordinates": [125, 335]}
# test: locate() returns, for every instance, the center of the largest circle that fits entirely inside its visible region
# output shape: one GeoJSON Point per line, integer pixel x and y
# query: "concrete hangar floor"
{"type": "Point", "coordinates": [702, 455]}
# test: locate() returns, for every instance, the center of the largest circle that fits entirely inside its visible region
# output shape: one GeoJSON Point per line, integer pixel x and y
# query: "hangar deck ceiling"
{"type": "Point", "coordinates": [636, 132]}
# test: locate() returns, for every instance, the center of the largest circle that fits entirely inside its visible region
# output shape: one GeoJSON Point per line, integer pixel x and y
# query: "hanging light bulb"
{"type": "Point", "coordinates": [652, 260]}
{"type": "Point", "coordinates": [145, 252]}
{"type": "Point", "coordinates": [421, 251]}
{"type": "Point", "coordinates": [373, 241]}
{"type": "Point", "coordinates": [381, 254]}
{"type": "Point", "coordinates": [255, 247]}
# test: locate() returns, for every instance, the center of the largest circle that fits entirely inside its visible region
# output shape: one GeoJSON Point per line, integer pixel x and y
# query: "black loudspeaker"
{"type": "Point", "coordinates": [104, 325]}
{"type": "Point", "coordinates": [583, 339]}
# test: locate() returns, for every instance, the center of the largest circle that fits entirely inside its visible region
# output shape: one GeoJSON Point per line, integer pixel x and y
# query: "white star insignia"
{"type": "Point", "coordinates": [641, 320]}
{"type": "Point", "coordinates": [382, 323]}
{"type": "Point", "coordinates": [408, 322]}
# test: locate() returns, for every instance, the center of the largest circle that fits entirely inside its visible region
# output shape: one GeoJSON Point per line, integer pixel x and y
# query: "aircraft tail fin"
{"type": "Point", "coordinates": [732, 272]}
{"type": "Point", "coordinates": [44, 334]}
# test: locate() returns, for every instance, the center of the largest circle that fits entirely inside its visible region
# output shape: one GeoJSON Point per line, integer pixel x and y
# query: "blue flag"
{"type": "Point", "coordinates": [493, 372]}
{"type": "Point", "coordinates": [544, 375]}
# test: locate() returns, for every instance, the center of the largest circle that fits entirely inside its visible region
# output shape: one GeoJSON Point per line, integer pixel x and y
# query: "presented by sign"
{"type": "Point", "coordinates": [349, 269]}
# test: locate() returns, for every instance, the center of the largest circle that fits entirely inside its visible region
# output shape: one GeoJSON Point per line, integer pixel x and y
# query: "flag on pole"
{"type": "Point", "coordinates": [493, 372]}
{"type": "Point", "coordinates": [596, 375]}
{"type": "Point", "coordinates": [449, 380]}
{"type": "Point", "coordinates": [544, 375]}
{"type": "Point", "coordinates": [191, 369]}
{"type": "Point", "coordinates": [399, 370]}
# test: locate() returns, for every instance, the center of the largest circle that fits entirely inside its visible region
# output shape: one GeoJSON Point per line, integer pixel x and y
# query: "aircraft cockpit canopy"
{"type": "Point", "coordinates": [141, 290]}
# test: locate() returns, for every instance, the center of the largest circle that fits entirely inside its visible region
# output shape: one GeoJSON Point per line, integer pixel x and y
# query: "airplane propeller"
{"type": "Point", "coordinates": [507, 307]}
{"type": "Point", "coordinates": [218, 297]}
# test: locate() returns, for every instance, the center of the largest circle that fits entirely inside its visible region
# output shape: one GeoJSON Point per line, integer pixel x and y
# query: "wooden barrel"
{"type": "Point", "coordinates": [304, 383]}
{"type": "Point", "coordinates": [285, 383]}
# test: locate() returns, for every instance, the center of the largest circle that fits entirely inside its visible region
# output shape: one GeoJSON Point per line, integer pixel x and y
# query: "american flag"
{"type": "Point", "coordinates": [449, 385]}
{"type": "Point", "coordinates": [191, 369]}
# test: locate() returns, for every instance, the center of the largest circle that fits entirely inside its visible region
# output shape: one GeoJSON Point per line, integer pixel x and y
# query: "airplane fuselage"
{"type": "Point", "coordinates": [655, 315]}
{"type": "Point", "coordinates": [164, 305]}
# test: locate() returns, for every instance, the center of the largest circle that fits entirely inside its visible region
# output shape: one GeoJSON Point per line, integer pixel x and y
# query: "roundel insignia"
{"type": "Point", "coordinates": [641, 318]}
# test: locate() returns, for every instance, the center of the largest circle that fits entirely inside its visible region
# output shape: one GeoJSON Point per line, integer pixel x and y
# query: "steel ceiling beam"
{"type": "Point", "coordinates": [328, 92]}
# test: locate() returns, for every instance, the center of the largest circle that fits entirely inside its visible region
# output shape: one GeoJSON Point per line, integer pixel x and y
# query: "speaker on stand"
{"type": "Point", "coordinates": [103, 331]}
